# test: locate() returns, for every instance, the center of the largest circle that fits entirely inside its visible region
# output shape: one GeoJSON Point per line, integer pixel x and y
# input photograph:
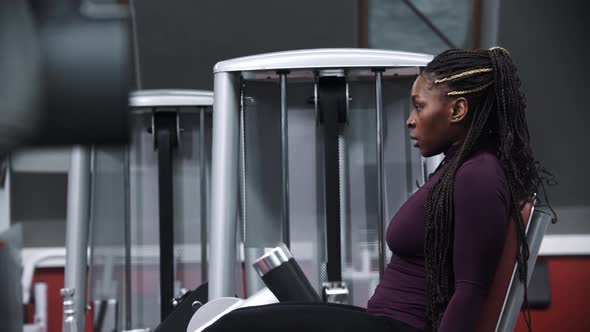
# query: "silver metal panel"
{"type": "Point", "coordinates": [253, 282]}
{"type": "Point", "coordinates": [188, 210]}
{"type": "Point", "coordinates": [78, 217]}
{"type": "Point", "coordinates": [191, 161]}
{"type": "Point", "coordinates": [151, 98]}
{"type": "Point", "coordinates": [401, 169]}
{"type": "Point", "coordinates": [324, 58]}
{"type": "Point", "coordinates": [143, 215]}
{"type": "Point", "coordinates": [110, 270]}
{"type": "Point", "coordinates": [126, 187]}
{"type": "Point", "coordinates": [224, 186]}
{"type": "Point", "coordinates": [264, 172]}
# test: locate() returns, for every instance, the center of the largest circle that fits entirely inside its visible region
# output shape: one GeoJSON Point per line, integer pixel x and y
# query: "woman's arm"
{"type": "Point", "coordinates": [481, 203]}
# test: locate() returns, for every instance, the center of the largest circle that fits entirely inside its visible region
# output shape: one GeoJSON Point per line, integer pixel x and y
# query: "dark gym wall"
{"type": "Point", "coordinates": [181, 40]}
{"type": "Point", "coordinates": [549, 43]}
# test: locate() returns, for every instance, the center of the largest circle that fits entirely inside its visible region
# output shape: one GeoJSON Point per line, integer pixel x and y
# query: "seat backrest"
{"type": "Point", "coordinates": [536, 229]}
{"type": "Point", "coordinates": [506, 275]}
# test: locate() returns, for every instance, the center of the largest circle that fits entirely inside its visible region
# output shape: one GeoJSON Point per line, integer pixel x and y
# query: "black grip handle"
{"type": "Point", "coordinates": [289, 284]}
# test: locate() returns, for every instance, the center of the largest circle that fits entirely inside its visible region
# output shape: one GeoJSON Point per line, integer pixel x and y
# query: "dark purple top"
{"type": "Point", "coordinates": [481, 205]}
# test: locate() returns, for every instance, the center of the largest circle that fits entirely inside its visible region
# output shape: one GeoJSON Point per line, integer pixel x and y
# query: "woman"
{"type": "Point", "coordinates": [448, 237]}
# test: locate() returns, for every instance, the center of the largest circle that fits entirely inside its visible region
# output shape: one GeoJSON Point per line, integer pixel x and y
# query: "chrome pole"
{"type": "Point", "coordinates": [380, 177]}
{"type": "Point", "coordinates": [285, 159]}
{"type": "Point", "coordinates": [78, 208]}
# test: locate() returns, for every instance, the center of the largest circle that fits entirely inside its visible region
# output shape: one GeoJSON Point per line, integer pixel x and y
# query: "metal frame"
{"type": "Point", "coordinates": [328, 58]}
{"type": "Point", "coordinates": [167, 131]}
{"type": "Point", "coordinates": [380, 175]}
{"type": "Point", "coordinates": [285, 160]}
{"type": "Point", "coordinates": [226, 137]}
{"type": "Point", "coordinates": [78, 217]}
{"type": "Point", "coordinates": [145, 102]}
{"type": "Point", "coordinates": [5, 192]}
{"type": "Point", "coordinates": [155, 98]}
{"type": "Point", "coordinates": [535, 232]}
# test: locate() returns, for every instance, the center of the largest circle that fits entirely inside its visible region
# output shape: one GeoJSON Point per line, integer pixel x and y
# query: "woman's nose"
{"type": "Point", "coordinates": [410, 123]}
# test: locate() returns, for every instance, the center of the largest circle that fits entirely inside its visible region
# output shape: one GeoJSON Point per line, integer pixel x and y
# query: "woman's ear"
{"type": "Point", "coordinates": [459, 109]}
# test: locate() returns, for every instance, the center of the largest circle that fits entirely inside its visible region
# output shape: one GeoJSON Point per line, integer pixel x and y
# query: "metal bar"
{"type": "Point", "coordinates": [345, 226]}
{"type": "Point", "coordinates": [40, 291]}
{"type": "Point", "coordinates": [380, 177]}
{"type": "Point", "coordinates": [203, 187]}
{"type": "Point", "coordinates": [243, 164]}
{"type": "Point", "coordinates": [127, 230]}
{"type": "Point", "coordinates": [285, 160]}
{"type": "Point", "coordinates": [91, 224]}
{"type": "Point", "coordinates": [78, 207]}
{"type": "Point", "coordinates": [5, 193]}
{"type": "Point", "coordinates": [224, 186]}
{"type": "Point", "coordinates": [253, 281]}
{"type": "Point", "coordinates": [165, 131]}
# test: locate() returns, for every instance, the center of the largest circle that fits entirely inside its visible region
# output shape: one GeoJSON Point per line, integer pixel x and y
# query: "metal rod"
{"type": "Point", "coordinates": [5, 193]}
{"type": "Point", "coordinates": [345, 229]}
{"type": "Point", "coordinates": [91, 224]}
{"type": "Point", "coordinates": [224, 186]}
{"type": "Point", "coordinates": [78, 207]}
{"type": "Point", "coordinates": [127, 230]}
{"type": "Point", "coordinates": [285, 160]}
{"type": "Point", "coordinates": [40, 291]}
{"type": "Point", "coordinates": [380, 177]}
{"type": "Point", "coordinates": [203, 185]}
{"type": "Point", "coordinates": [243, 164]}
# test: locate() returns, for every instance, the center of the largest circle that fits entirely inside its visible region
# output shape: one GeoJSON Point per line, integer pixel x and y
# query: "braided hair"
{"type": "Point", "coordinates": [487, 79]}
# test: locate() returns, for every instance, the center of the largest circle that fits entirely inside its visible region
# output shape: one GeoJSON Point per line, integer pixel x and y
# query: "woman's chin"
{"type": "Point", "coordinates": [425, 152]}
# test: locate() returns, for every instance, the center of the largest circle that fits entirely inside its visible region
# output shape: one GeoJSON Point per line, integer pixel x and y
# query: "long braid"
{"type": "Point", "coordinates": [497, 113]}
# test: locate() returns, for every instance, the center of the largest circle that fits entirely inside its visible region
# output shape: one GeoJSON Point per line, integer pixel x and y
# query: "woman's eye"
{"type": "Point", "coordinates": [417, 107]}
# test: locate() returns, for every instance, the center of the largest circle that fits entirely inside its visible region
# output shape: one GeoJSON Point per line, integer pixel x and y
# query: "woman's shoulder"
{"type": "Point", "coordinates": [482, 163]}
{"type": "Point", "coordinates": [482, 172]}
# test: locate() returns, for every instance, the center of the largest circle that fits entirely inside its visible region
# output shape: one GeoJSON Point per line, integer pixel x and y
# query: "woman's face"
{"type": "Point", "coordinates": [433, 120]}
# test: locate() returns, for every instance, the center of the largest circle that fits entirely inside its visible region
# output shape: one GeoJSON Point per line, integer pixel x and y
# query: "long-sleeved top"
{"type": "Point", "coordinates": [481, 206]}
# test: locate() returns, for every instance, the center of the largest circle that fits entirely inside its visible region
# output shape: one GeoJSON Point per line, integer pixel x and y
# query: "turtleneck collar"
{"type": "Point", "coordinates": [453, 149]}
